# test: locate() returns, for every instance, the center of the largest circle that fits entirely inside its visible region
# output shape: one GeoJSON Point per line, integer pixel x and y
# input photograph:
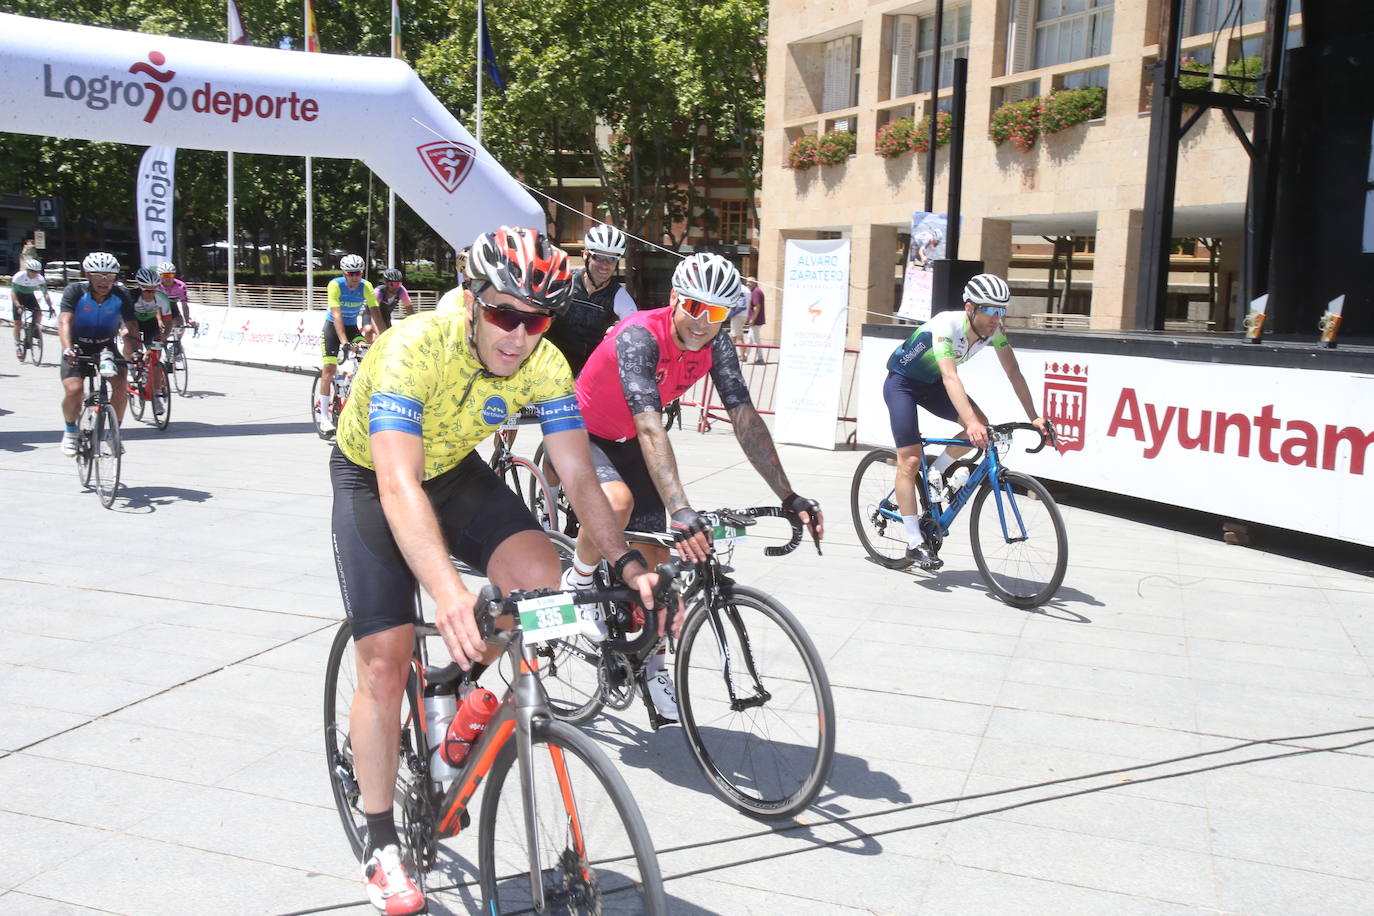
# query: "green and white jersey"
{"type": "Point", "coordinates": [945, 336]}
{"type": "Point", "coordinates": [149, 309]}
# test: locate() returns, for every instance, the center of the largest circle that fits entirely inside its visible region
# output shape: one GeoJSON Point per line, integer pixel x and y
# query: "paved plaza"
{"type": "Point", "coordinates": [1187, 728]}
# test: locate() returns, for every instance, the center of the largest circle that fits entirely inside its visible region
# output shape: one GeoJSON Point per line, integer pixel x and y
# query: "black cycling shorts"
{"type": "Point", "coordinates": [21, 300]}
{"type": "Point", "coordinates": [476, 513]}
{"type": "Point", "coordinates": [91, 348]}
{"type": "Point", "coordinates": [903, 394]}
{"type": "Point", "coordinates": [150, 330]}
{"type": "Point", "coordinates": [623, 462]}
{"type": "Point", "coordinates": [329, 341]}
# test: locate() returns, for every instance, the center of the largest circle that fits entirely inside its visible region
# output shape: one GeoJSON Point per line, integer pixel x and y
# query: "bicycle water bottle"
{"type": "Point", "coordinates": [468, 724]}
{"type": "Point", "coordinates": [439, 711]}
{"type": "Point", "coordinates": [108, 369]}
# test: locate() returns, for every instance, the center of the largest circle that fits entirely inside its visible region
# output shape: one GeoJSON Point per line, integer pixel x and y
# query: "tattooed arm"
{"type": "Point", "coordinates": [637, 354]}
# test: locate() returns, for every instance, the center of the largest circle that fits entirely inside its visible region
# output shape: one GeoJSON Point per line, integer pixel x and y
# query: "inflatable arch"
{"type": "Point", "coordinates": [63, 80]}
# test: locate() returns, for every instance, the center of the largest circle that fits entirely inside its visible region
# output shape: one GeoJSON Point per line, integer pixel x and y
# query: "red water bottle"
{"type": "Point", "coordinates": [468, 723]}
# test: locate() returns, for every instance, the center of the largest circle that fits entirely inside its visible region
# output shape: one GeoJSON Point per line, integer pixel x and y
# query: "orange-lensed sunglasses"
{"type": "Point", "coordinates": [696, 308]}
{"type": "Point", "coordinates": [508, 319]}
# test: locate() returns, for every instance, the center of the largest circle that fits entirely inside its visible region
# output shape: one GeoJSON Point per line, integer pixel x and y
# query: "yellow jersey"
{"type": "Point", "coordinates": [422, 378]}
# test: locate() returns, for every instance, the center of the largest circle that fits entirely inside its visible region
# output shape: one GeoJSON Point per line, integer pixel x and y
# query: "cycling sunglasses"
{"type": "Point", "coordinates": [353, 273]}
{"type": "Point", "coordinates": [604, 258]}
{"type": "Point", "coordinates": [508, 319]}
{"type": "Point", "coordinates": [167, 276]}
{"type": "Point", "coordinates": [999, 310]}
{"type": "Point", "coordinates": [696, 308]}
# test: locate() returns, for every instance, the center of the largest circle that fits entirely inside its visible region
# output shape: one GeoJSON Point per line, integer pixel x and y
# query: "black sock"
{"type": "Point", "coordinates": [381, 831]}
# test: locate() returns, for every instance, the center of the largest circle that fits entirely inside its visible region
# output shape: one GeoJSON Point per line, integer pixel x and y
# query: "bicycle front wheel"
{"type": "Point", "coordinates": [411, 798]}
{"type": "Point", "coordinates": [107, 457]}
{"type": "Point", "coordinates": [85, 446]}
{"type": "Point", "coordinates": [322, 429]}
{"type": "Point", "coordinates": [181, 370]}
{"type": "Point", "coordinates": [524, 478]}
{"type": "Point", "coordinates": [136, 399]}
{"type": "Point", "coordinates": [35, 337]}
{"type": "Point", "coordinates": [569, 668]}
{"type": "Point", "coordinates": [594, 853]}
{"type": "Point", "coordinates": [162, 398]}
{"type": "Point", "coordinates": [1019, 542]}
{"type": "Point", "coordinates": [874, 507]}
{"type": "Point", "coordinates": [759, 716]}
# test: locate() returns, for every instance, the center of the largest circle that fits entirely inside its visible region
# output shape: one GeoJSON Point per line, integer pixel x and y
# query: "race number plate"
{"type": "Point", "coordinates": [549, 617]}
{"type": "Point", "coordinates": [727, 537]}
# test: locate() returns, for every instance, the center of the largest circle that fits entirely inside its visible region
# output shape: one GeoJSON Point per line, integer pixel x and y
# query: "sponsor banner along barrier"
{"type": "Point", "coordinates": [811, 355]}
{"type": "Point", "coordinates": [264, 337]}
{"type": "Point", "coordinates": [1292, 448]}
{"type": "Point", "coordinates": [58, 79]}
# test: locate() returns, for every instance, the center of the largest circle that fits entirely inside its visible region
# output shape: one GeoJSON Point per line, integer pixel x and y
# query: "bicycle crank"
{"type": "Point", "coordinates": [616, 678]}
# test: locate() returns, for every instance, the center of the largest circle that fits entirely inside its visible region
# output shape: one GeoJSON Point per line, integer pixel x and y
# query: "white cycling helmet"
{"type": "Point", "coordinates": [31, 264]}
{"type": "Point", "coordinates": [351, 262]}
{"type": "Point", "coordinates": [100, 262]}
{"type": "Point", "coordinates": [146, 277]}
{"type": "Point", "coordinates": [707, 278]}
{"type": "Point", "coordinates": [605, 240]}
{"type": "Point", "coordinates": [987, 289]}
{"type": "Point", "coordinates": [166, 267]}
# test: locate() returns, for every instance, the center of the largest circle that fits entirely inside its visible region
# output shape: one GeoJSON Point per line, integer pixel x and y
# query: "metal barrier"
{"type": "Point", "coordinates": [279, 297]}
{"type": "Point", "coordinates": [759, 362]}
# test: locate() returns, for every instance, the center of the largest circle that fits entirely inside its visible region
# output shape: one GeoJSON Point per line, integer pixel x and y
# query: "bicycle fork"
{"type": "Point", "coordinates": [713, 615]}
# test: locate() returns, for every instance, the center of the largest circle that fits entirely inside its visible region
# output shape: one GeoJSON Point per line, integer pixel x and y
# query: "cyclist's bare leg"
{"type": "Point", "coordinates": [375, 720]}
{"type": "Point", "coordinates": [327, 373]}
{"type": "Point", "coordinates": [908, 470]}
{"type": "Point", "coordinates": [526, 560]}
{"type": "Point", "coordinates": [71, 398]}
{"type": "Point", "coordinates": [119, 392]}
{"type": "Point", "coordinates": [621, 501]}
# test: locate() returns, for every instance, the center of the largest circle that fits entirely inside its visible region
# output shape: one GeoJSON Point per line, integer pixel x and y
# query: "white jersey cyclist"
{"type": "Point", "coordinates": [947, 335]}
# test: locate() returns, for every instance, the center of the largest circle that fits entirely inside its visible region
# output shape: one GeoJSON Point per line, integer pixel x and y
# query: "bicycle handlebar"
{"type": "Point", "coordinates": [1046, 435]}
{"type": "Point", "coordinates": [745, 517]}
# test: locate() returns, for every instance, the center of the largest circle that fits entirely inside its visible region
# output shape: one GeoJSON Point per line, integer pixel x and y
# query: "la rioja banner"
{"type": "Point", "coordinates": [156, 182]}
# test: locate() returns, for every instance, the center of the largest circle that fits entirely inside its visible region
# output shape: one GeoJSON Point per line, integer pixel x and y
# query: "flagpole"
{"type": "Point", "coordinates": [230, 277]}
{"type": "Point", "coordinates": [480, 16]}
{"type": "Point", "coordinates": [309, 198]}
{"type": "Point", "coordinates": [391, 194]}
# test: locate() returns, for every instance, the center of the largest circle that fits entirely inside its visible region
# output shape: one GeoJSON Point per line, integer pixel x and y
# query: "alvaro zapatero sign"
{"type": "Point", "coordinates": [1292, 448]}
{"type": "Point", "coordinates": [155, 90]}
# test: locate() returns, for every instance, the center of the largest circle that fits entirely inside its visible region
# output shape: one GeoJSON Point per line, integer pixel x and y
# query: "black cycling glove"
{"type": "Point", "coordinates": [686, 523]}
{"type": "Point", "coordinates": [798, 504]}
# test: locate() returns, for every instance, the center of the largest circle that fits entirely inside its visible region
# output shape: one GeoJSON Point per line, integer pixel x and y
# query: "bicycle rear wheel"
{"type": "Point", "coordinates": [570, 668]}
{"type": "Point", "coordinates": [524, 478]}
{"type": "Point", "coordinates": [162, 397]}
{"type": "Point", "coordinates": [412, 799]}
{"type": "Point", "coordinates": [874, 508]}
{"type": "Point", "coordinates": [595, 854]}
{"type": "Point", "coordinates": [181, 368]}
{"type": "Point", "coordinates": [107, 457]}
{"type": "Point", "coordinates": [1024, 562]}
{"type": "Point", "coordinates": [768, 750]}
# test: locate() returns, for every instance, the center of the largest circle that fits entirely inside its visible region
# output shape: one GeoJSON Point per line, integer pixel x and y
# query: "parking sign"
{"type": "Point", "coordinates": [47, 210]}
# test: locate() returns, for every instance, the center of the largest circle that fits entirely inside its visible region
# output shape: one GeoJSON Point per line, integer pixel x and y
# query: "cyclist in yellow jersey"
{"type": "Point", "coordinates": [351, 300]}
{"type": "Point", "coordinates": [409, 491]}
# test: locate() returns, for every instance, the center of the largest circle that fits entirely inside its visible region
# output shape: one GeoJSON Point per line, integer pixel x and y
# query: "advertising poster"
{"type": "Point", "coordinates": [927, 247]}
{"type": "Point", "coordinates": [811, 360]}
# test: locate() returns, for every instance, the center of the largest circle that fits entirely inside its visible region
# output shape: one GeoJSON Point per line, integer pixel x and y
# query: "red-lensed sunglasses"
{"type": "Point", "coordinates": [353, 273]}
{"type": "Point", "coordinates": [508, 319]}
{"type": "Point", "coordinates": [696, 308]}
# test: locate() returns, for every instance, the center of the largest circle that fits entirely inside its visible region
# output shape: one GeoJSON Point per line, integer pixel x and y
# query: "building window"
{"type": "Point", "coordinates": [1203, 16]}
{"type": "Point", "coordinates": [734, 221]}
{"type": "Point", "coordinates": [1069, 30]}
{"type": "Point", "coordinates": [841, 88]}
{"type": "Point", "coordinates": [913, 46]}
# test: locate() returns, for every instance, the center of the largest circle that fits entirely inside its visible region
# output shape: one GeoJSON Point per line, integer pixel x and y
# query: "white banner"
{"type": "Point", "coordinates": [1292, 448]}
{"type": "Point", "coordinates": [815, 297]}
{"type": "Point", "coordinates": [63, 80]}
{"type": "Point", "coordinates": [927, 246]}
{"type": "Point", "coordinates": [156, 183]}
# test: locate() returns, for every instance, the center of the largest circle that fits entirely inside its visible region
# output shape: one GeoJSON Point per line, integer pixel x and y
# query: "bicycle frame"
{"type": "Point", "coordinates": [522, 705]}
{"type": "Point", "coordinates": [990, 468]}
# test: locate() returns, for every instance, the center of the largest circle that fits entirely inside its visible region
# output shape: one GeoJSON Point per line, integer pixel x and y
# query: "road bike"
{"type": "Point", "coordinates": [558, 829]}
{"type": "Point", "coordinates": [1017, 533]}
{"type": "Point", "coordinates": [350, 358]}
{"type": "Point", "coordinates": [178, 365]}
{"type": "Point", "coordinates": [523, 476]}
{"type": "Point", "coordinates": [753, 696]}
{"type": "Point", "coordinates": [31, 337]}
{"type": "Point", "coordinates": [148, 385]}
{"type": "Point", "coordinates": [99, 453]}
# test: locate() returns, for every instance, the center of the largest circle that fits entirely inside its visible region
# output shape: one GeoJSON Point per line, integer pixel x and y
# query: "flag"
{"type": "Point", "coordinates": [489, 58]}
{"type": "Point", "coordinates": [312, 35]}
{"type": "Point", "coordinates": [237, 34]}
{"type": "Point", "coordinates": [155, 194]}
{"type": "Point", "coordinates": [395, 28]}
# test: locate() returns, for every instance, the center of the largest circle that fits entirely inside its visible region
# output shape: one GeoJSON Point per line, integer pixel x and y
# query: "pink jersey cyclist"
{"type": "Point", "coordinates": [640, 358]}
{"type": "Point", "coordinates": [174, 289]}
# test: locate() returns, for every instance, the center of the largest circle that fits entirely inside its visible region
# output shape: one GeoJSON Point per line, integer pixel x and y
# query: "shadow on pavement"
{"type": "Point", "coordinates": [197, 395]}
{"type": "Point", "coordinates": [947, 581]}
{"type": "Point", "coordinates": [149, 498]}
{"type": "Point", "coordinates": [26, 440]}
{"type": "Point", "coordinates": [194, 430]}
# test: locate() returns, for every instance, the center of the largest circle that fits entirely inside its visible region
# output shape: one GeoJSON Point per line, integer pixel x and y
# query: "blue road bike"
{"type": "Point", "coordinates": [1015, 528]}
